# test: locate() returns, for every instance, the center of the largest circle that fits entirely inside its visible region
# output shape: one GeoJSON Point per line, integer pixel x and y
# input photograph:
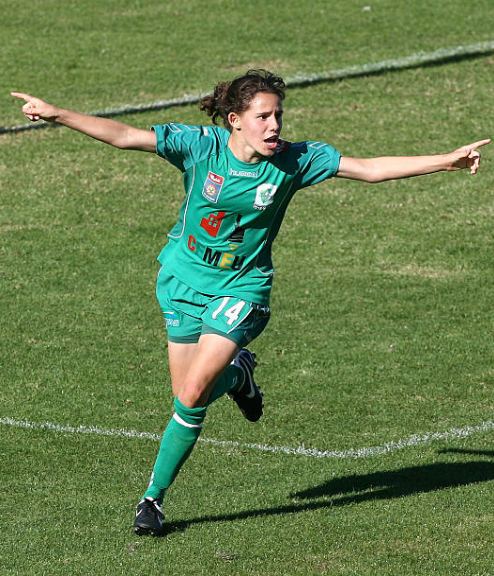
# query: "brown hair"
{"type": "Point", "coordinates": [236, 96]}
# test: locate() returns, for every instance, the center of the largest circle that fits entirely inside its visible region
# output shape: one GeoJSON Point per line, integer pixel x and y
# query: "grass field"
{"type": "Point", "coordinates": [381, 336]}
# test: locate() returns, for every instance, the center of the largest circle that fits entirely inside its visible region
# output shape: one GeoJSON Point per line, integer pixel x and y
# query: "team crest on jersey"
{"type": "Point", "coordinates": [265, 196]}
{"type": "Point", "coordinates": [212, 187]}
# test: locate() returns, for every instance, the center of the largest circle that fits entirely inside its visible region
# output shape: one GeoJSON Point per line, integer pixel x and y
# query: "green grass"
{"type": "Point", "coordinates": [96, 54]}
{"type": "Point", "coordinates": [382, 306]}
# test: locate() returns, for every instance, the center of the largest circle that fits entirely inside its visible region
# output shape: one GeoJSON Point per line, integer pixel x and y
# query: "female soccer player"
{"type": "Point", "coordinates": [216, 271]}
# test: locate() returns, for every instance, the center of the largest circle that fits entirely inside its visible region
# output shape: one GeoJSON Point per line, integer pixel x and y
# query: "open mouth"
{"type": "Point", "coordinates": [271, 142]}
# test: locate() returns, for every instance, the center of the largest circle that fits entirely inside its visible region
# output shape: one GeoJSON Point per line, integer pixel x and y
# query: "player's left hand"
{"type": "Point", "coordinates": [467, 157]}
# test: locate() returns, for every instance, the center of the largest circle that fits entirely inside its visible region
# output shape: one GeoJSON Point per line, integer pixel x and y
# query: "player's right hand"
{"type": "Point", "coordinates": [36, 109]}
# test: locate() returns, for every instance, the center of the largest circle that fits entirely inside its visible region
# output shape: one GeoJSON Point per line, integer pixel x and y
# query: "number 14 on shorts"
{"type": "Point", "coordinates": [231, 313]}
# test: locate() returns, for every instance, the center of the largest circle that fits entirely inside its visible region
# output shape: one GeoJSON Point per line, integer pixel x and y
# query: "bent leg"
{"type": "Point", "coordinates": [181, 357]}
{"type": "Point", "coordinates": [211, 359]}
{"type": "Point", "coordinates": [195, 369]}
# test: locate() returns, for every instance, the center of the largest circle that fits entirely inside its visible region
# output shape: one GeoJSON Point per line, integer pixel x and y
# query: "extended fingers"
{"type": "Point", "coordinates": [29, 107]}
{"type": "Point", "coordinates": [472, 155]}
{"type": "Point", "coordinates": [21, 95]}
{"type": "Point", "coordinates": [478, 144]}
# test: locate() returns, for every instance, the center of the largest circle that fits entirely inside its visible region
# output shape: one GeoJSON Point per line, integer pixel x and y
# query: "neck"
{"type": "Point", "coordinates": [243, 152]}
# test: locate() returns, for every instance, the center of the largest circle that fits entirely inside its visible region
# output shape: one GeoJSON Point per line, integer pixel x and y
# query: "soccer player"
{"type": "Point", "coordinates": [216, 272]}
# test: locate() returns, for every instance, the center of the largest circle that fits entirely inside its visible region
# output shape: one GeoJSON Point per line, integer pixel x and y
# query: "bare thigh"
{"type": "Point", "coordinates": [195, 368]}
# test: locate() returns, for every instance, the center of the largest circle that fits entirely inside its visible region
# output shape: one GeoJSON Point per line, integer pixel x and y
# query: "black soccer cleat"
{"type": "Point", "coordinates": [149, 518]}
{"type": "Point", "coordinates": [249, 396]}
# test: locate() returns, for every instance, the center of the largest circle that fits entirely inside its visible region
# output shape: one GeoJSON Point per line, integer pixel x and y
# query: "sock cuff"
{"type": "Point", "coordinates": [192, 416]}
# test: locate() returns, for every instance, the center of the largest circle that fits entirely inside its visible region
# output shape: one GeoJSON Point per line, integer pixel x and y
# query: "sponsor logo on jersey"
{"type": "Point", "coordinates": [226, 260]}
{"type": "Point", "coordinates": [212, 187]}
{"type": "Point", "coordinates": [191, 244]}
{"type": "Point", "coordinates": [244, 173]}
{"type": "Point", "coordinates": [265, 196]}
{"type": "Point", "coordinates": [212, 223]}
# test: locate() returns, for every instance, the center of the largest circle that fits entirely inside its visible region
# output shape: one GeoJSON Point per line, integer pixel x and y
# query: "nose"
{"type": "Point", "coordinates": [275, 124]}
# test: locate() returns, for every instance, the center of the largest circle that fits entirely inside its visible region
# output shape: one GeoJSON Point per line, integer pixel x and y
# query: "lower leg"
{"type": "Point", "coordinates": [230, 380]}
{"type": "Point", "coordinates": [178, 441]}
{"type": "Point", "coordinates": [195, 370]}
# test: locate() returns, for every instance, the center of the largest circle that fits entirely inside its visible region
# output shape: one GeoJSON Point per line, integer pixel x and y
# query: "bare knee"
{"type": "Point", "coordinates": [194, 393]}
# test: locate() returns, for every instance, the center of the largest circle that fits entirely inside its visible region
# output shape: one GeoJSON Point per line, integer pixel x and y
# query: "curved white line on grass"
{"type": "Point", "coordinates": [411, 441]}
{"type": "Point", "coordinates": [413, 60]}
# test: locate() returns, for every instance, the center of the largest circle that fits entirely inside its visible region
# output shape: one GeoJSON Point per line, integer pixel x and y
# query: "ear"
{"type": "Point", "coordinates": [234, 120]}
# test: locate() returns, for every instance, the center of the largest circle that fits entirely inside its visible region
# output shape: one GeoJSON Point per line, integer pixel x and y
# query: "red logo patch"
{"type": "Point", "coordinates": [212, 224]}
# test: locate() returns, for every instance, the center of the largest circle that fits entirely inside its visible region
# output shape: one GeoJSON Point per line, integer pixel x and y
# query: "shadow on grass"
{"type": "Point", "coordinates": [356, 489]}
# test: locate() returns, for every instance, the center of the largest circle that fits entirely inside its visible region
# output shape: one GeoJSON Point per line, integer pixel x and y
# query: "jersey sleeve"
{"type": "Point", "coordinates": [183, 145]}
{"type": "Point", "coordinates": [317, 162]}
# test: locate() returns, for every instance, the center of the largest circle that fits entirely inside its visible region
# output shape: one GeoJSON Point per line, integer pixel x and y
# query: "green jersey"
{"type": "Point", "coordinates": [232, 211]}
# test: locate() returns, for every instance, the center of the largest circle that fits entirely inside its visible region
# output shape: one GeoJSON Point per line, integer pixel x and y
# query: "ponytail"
{"type": "Point", "coordinates": [236, 96]}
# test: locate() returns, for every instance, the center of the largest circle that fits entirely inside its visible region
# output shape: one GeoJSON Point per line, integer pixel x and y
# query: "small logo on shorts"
{"type": "Point", "coordinates": [171, 319]}
{"type": "Point", "coordinates": [212, 187]}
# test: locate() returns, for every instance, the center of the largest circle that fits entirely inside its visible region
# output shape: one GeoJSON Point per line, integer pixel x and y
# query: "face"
{"type": "Point", "coordinates": [255, 132]}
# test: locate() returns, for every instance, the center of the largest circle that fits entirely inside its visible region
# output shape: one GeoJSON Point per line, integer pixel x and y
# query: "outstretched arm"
{"type": "Point", "coordinates": [110, 131]}
{"type": "Point", "coordinates": [394, 167]}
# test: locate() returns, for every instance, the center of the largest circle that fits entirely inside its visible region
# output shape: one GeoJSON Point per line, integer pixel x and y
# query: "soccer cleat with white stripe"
{"type": "Point", "coordinates": [248, 397]}
{"type": "Point", "coordinates": [149, 518]}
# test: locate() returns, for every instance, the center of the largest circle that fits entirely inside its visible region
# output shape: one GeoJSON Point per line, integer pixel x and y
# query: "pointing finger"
{"type": "Point", "coordinates": [478, 144]}
{"type": "Point", "coordinates": [21, 95]}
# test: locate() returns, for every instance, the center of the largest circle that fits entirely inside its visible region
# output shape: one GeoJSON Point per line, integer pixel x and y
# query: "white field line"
{"type": "Point", "coordinates": [411, 441]}
{"type": "Point", "coordinates": [411, 61]}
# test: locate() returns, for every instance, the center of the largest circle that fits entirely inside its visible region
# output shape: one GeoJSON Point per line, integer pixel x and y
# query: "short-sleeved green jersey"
{"type": "Point", "coordinates": [232, 211]}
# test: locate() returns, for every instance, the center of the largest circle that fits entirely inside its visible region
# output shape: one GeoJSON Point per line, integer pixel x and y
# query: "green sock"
{"type": "Point", "coordinates": [178, 441]}
{"type": "Point", "coordinates": [231, 379]}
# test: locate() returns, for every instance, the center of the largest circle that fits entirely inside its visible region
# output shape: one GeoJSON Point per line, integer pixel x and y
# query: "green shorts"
{"type": "Point", "coordinates": [189, 314]}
